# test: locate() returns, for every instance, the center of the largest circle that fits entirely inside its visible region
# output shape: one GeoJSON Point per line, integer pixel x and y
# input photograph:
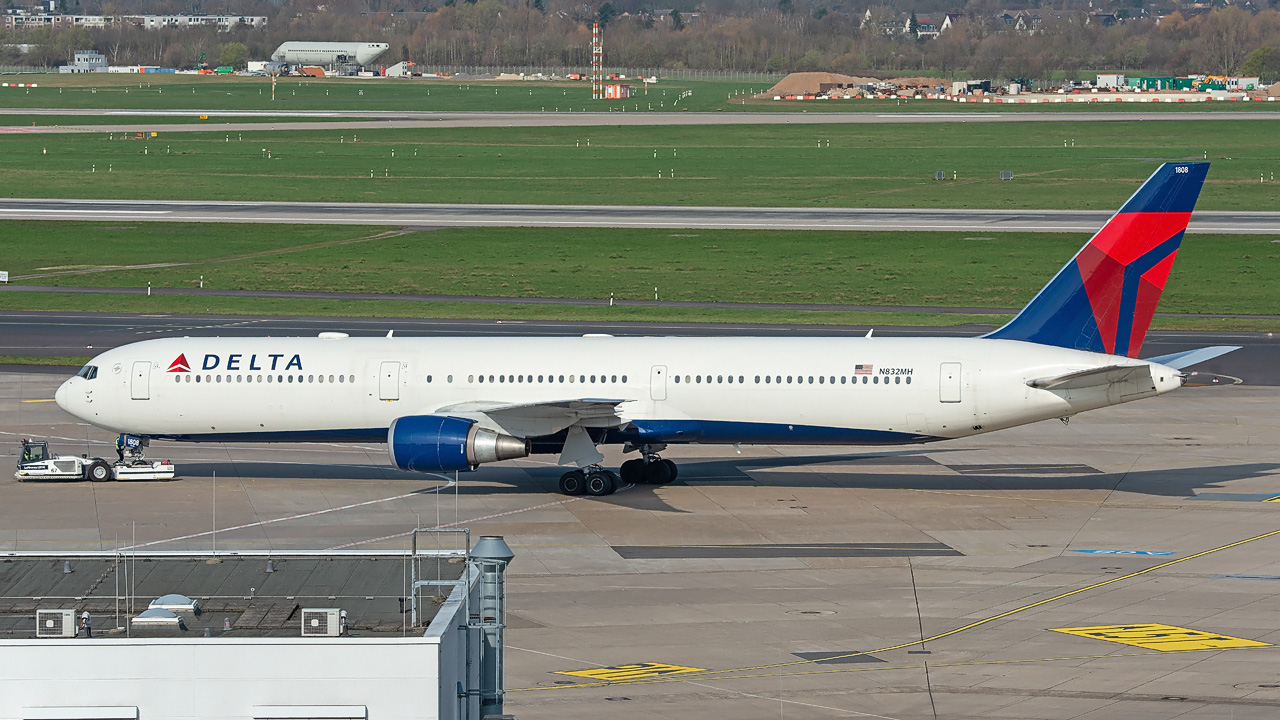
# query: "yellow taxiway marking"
{"type": "Point", "coordinates": [46, 400]}
{"type": "Point", "coordinates": [635, 671]}
{"type": "Point", "coordinates": [1154, 636]}
{"type": "Point", "coordinates": [1273, 499]}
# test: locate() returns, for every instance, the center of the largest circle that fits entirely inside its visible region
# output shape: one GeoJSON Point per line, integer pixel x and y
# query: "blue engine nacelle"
{"type": "Point", "coordinates": [433, 443]}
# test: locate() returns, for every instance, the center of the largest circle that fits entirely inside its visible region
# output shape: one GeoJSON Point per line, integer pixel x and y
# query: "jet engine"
{"type": "Point", "coordinates": [432, 443]}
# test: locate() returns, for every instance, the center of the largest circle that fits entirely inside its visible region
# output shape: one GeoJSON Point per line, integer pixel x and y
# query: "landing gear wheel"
{"type": "Point", "coordinates": [98, 472]}
{"type": "Point", "coordinates": [601, 483]}
{"type": "Point", "coordinates": [573, 482]}
{"type": "Point", "coordinates": [632, 472]}
{"type": "Point", "coordinates": [658, 472]}
{"type": "Point", "coordinates": [672, 470]}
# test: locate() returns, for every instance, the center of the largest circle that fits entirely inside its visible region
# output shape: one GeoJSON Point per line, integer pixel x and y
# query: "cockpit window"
{"type": "Point", "coordinates": [88, 372]}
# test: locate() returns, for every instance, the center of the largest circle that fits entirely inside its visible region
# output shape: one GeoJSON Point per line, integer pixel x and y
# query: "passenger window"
{"type": "Point", "coordinates": [767, 379]}
{"type": "Point", "coordinates": [561, 379]}
{"type": "Point", "coordinates": [449, 379]}
{"type": "Point", "coordinates": [677, 377]}
{"type": "Point", "coordinates": [842, 379]}
{"type": "Point", "coordinates": [897, 379]}
{"type": "Point", "coordinates": [219, 377]}
{"type": "Point", "coordinates": [908, 379]}
{"type": "Point", "coordinates": [428, 378]}
{"type": "Point", "coordinates": [613, 378]}
{"type": "Point", "coordinates": [719, 378]}
{"type": "Point", "coordinates": [687, 379]}
{"type": "Point", "coordinates": [810, 379]}
{"type": "Point", "coordinates": [788, 379]}
{"type": "Point", "coordinates": [188, 378]}
{"type": "Point", "coordinates": [875, 380]}
{"type": "Point", "coordinates": [490, 378]}
{"type": "Point", "coordinates": [624, 379]}
{"type": "Point", "coordinates": [740, 380]}
{"type": "Point", "coordinates": [341, 378]}
{"type": "Point", "coordinates": [593, 378]}
{"type": "Point", "coordinates": [820, 380]}
{"type": "Point", "coordinates": [779, 380]}
{"type": "Point", "coordinates": [757, 379]}
{"type": "Point", "coordinates": [570, 378]}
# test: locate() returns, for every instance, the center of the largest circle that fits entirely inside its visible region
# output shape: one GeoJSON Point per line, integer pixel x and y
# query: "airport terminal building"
{"type": "Point", "coordinates": [110, 636]}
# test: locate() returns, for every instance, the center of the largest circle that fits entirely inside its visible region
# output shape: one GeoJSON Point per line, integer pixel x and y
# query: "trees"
{"type": "Point", "coordinates": [1263, 63]}
{"type": "Point", "coordinates": [233, 54]}
{"type": "Point", "coordinates": [606, 14]}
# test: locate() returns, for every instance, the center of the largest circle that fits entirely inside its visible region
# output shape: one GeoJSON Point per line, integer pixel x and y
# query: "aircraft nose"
{"type": "Point", "coordinates": [61, 395]}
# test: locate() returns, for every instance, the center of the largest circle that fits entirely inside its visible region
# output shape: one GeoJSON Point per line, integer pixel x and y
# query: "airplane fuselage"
{"type": "Point", "coordinates": [811, 391]}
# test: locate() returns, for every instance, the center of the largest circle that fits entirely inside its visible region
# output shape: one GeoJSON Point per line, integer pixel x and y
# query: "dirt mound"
{"type": "Point", "coordinates": [813, 83]}
{"type": "Point", "coordinates": [1274, 90]}
{"type": "Point", "coordinates": [927, 82]}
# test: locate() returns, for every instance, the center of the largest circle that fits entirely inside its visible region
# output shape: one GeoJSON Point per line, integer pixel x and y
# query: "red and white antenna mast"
{"type": "Point", "coordinates": [597, 63]}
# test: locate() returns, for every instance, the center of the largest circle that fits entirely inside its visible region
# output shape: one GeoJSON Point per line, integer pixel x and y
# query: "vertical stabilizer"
{"type": "Point", "coordinates": [1104, 299]}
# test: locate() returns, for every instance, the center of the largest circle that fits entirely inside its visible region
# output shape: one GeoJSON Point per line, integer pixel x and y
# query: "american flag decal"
{"type": "Point", "coordinates": [862, 369]}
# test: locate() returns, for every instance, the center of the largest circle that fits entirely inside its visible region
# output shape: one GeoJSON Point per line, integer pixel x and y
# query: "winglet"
{"type": "Point", "coordinates": [1105, 298]}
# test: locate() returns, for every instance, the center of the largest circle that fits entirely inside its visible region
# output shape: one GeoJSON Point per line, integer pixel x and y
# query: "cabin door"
{"type": "Point", "coordinates": [658, 382]}
{"type": "Point", "coordinates": [140, 384]}
{"type": "Point", "coordinates": [949, 383]}
{"type": "Point", "coordinates": [389, 381]}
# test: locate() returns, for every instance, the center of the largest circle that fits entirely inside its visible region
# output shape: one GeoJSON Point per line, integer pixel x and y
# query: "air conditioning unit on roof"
{"type": "Point", "coordinates": [55, 623]}
{"type": "Point", "coordinates": [321, 622]}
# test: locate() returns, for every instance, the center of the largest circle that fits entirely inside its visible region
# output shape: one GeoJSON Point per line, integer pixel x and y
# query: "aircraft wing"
{"type": "Point", "coordinates": [541, 418]}
{"type": "Point", "coordinates": [1093, 377]}
{"type": "Point", "coordinates": [1180, 360]}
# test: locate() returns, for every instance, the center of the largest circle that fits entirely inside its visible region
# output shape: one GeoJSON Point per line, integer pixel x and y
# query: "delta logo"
{"type": "Point", "coordinates": [238, 361]}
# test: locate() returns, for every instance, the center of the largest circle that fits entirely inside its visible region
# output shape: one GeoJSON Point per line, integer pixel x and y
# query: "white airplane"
{"type": "Point", "coordinates": [445, 404]}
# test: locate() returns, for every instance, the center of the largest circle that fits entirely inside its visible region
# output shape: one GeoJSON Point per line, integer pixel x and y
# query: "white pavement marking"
{"type": "Point", "coordinates": [448, 484]}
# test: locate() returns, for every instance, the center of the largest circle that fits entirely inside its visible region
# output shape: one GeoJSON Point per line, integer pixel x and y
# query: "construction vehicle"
{"type": "Point", "coordinates": [35, 462]}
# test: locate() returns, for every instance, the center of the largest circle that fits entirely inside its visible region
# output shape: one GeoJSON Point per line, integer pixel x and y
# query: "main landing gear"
{"type": "Point", "coordinates": [592, 480]}
{"type": "Point", "coordinates": [597, 481]}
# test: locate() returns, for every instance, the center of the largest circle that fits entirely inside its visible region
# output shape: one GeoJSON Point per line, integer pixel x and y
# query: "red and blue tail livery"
{"type": "Point", "coordinates": [1104, 299]}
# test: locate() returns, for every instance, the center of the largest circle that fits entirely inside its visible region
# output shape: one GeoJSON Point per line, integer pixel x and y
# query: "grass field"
{"type": "Point", "coordinates": [1215, 274]}
{"type": "Point", "coordinates": [214, 93]}
{"type": "Point", "coordinates": [766, 165]}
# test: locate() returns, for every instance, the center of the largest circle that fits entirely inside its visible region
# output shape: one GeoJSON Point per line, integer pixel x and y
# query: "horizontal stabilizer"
{"type": "Point", "coordinates": [1186, 359]}
{"type": "Point", "coordinates": [1093, 377]}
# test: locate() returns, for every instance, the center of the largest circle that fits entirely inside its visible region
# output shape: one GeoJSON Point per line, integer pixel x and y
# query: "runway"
{"type": "Point", "coordinates": [244, 120]}
{"type": "Point", "coordinates": [427, 215]}
{"type": "Point", "coordinates": [81, 334]}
